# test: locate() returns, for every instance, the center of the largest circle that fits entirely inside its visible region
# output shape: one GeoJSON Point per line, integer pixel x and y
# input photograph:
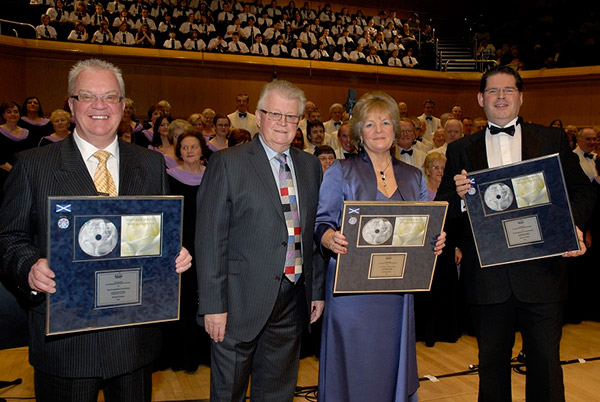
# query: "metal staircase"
{"type": "Point", "coordinates": [453, 54]}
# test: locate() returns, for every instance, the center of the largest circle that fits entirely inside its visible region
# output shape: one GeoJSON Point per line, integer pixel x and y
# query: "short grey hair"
{"type": "Point", "coordinates": [285, 89]}
{"type": "Point", "coordinates": [94, 65]}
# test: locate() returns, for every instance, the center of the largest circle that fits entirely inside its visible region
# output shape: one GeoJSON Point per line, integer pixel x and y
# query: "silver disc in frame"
{"type": "Point", "coordinates": [377, 231]}
{"type": "Point", "coordinates": [498, 197]}
{"type": "Point", "coordinates": [98, 237]}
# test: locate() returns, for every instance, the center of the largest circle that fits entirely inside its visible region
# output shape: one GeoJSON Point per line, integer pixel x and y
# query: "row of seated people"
{"type": "Point", "coordinates": [198, 32]}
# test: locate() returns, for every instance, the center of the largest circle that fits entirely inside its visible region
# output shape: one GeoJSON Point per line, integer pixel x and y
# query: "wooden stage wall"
{"type": "Point", "coordinates": [194, 81]}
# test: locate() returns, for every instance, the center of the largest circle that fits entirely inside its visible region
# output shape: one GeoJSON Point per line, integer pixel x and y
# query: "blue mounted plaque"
{"type": "Point", "coordinates": [390, 246]}
{"type": "Point", "coordinates": [113, 260]}
{"type": "Point", "coordinates": [520, 212]}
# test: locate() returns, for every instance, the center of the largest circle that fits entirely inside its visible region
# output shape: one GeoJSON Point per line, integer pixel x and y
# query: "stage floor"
{"type": "Point", "coordinates": [581, 341]}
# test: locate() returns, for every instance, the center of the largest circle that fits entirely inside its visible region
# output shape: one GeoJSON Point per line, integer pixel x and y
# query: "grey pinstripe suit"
{"type": "Point", "coordinates": [59, 169]}
{"type": "Point", "coordinates": [241, 239]}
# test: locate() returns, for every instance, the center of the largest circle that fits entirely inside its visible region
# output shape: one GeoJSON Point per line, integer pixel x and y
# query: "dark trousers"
{"type": "Point", "coordinates": [541, 329]}
{"type": "Point", "coordinates": [271, 359]}
{"type": "Point", "coordinates": [130, 387]}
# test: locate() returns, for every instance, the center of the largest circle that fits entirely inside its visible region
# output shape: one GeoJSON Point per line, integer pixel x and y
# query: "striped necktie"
{"type": "Point", "coordinates": [102, 178]}
{"type": "Point", "coordinates": [289, 202]}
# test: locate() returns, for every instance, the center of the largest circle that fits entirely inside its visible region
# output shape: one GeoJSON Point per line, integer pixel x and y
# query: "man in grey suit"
{"type": "Point", "coordinates": [74, 367]}
{"type": "Point", "coordinates": [245, 236]}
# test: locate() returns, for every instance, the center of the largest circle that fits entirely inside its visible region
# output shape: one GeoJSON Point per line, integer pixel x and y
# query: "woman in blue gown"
{"type": "Point", "coordinates": [368, 341]}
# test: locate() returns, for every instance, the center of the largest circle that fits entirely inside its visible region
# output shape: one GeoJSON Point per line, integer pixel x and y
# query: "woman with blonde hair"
{"type": "Point", "coordinates": [368, 340]}
{"type": "Point", "coordinates": [61, 121]}
{"type": "Point", "coordinates": [433, 167]}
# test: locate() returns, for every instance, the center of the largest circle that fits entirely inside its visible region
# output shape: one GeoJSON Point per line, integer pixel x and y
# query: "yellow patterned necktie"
{"type": "Point", "coordinates": [102, 177]}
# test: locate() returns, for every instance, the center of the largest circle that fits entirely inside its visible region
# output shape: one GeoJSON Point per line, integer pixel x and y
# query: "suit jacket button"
{"type": "Point", "coordinates": [284, 243]}
{"type": "Point", "coordinates": [278, 278]}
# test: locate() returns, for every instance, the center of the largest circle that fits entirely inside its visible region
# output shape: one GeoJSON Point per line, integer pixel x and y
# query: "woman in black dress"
{"type": "Point", "coordinates": [32, 118]}
{"type": "Point", "coordinates": [186, 344]}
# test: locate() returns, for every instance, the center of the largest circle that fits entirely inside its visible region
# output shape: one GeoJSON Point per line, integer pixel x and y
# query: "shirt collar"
{"type": "Point", "coordinates": [87, 149]}
{"type": "Point", "coordinates": [512, 122]}
{"type": "Point", "coordinates": [272, 153]}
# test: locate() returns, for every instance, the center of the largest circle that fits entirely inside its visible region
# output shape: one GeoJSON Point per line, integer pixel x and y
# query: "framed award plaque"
{"type": "Point", "coordinates": [520, 212]}
{"type": "Point", "coordinates": [113, 260]}
{"type": "Point", "coordinates": [390, 246]}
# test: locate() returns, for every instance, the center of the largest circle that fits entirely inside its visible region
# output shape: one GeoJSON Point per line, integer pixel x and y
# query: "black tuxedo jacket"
{"type": "Point", "coordinates": [59, 170]}
{"type": "Point", "coordinates": [537, 281]}
{"type": "Point", "coordinates": [241, 236]}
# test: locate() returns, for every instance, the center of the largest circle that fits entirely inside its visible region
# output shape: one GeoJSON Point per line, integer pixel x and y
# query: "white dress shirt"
{"type": "Point", "coordinates": [502, 148]}
{"type": "Point", "coordinates": [87, 151]}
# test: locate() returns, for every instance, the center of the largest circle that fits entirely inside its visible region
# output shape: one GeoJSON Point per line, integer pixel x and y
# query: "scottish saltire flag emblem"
{"type": "Point", "coordinates": [63, 208]}
{"type": "Point", "coordinates": [354, 210]}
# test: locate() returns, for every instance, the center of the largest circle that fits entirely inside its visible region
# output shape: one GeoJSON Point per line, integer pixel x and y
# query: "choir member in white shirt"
{"type": "Point", "coordinates": [237, 46]}
{"type": "Point", "coordinates": [409, 60]}
{"type": "Point", "coordinates": [258, 47]}
{"type": "Point", "coordinates": [357, 55]}
{"type": "Point", "coordinates": [115, 7]}
{"type": "Point", "coordinates": [279, 49]}
{"type": "Point", "coordinates": [103, 35]}
{"type": "Point", "coordinates": [373, 57]}
{"type": "Point", "coordinates": [172, 43]}
{"type": "Point", "coordinates": [45, 30]}
{"type": "Point", "coordinates": [307, 37]}
{"type": "Point", "coordinates": [298, 52]}
{"type": "Point", "coordinates": [319, 53]}
{"type": "Point", "coordinates": [394, 61]}
{"type": "Point", "coordinates": [145, 19]}
{"type": "Point", "coordinates": [218, 44]}
{"type": "Point", "coordinates": [124, 37]}
{"type": "Point", "coordinates": [188, 25]}
{"type": "Point", "coordinates": [79, 34]}
{"type": "Point", "coordinates": [123, 18]}
{"type": "Point", "coordinates": [251, 30]}
{"type": "Point", "coordinates": [194, 42]}
{"type": "Point", "coordinates": [58, 13]}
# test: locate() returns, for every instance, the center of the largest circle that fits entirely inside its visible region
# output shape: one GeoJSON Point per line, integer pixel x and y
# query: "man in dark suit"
{"type": "Point", "coordinates": [528, 295]}
{"type": "Point", "coordinates": [248, 227]}
{"type": "Point", "coordinates": [74, 367]}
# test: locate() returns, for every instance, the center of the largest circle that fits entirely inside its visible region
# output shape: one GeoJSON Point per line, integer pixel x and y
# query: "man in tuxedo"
{"type": "Point", "coordinates": [346, 148]}
{"type": "Point", "coordinates": [405, 149]}
{"type": "Point", "coordinates": [336, 111]}
{"type": "Point", "coordinates": [258, 280]}
{"type": "Point", "coordinates": [528, 295]}
{"type": "Point", "coordinates": [242, 118]}
{"type": "Point", "coordinates": [91, 161]}
{"type": "Point", "coordinates": [432, 123]}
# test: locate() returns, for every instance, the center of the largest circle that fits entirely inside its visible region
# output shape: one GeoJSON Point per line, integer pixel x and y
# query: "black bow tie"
{"type": "Point", "coordinates": [347, 155]}
{"type": "Point", "coordinates": [589, 156]}
{"type": "Point", "coordinates": [337, 123]}
{"type": "Point", "coordinates": [428, 118]}
{"type": "Point", "coordinates": [510, 130]}
{"type": "Point", "coordinates": [418, 139]}
{"type": "Point", "coordinates": [243, 115]}
{"type": "Point", "coordinates": [404, 151]}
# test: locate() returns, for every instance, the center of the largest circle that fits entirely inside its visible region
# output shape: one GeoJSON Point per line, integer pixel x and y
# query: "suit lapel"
{"type": "Point", "coordinates": [262, 168]}
{"type": "Point", "coordinates": [476, 152]}
{"type": "Point", "coordinates": [131, 175]}
{"type": "Point", "coordinates": [73, 177]}
{"type": "Point", "coordinates": [531, 142]}
{"type": "Point", "coordinates": [302, 182]}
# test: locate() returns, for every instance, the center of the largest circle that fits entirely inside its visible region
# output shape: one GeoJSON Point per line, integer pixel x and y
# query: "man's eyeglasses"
{"type": "Point", "coordinates": [86, 97]}
{"type": "Point", "coordinates": [276, 116]}
{"type": "Point", "coordinates": [497, 91]}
